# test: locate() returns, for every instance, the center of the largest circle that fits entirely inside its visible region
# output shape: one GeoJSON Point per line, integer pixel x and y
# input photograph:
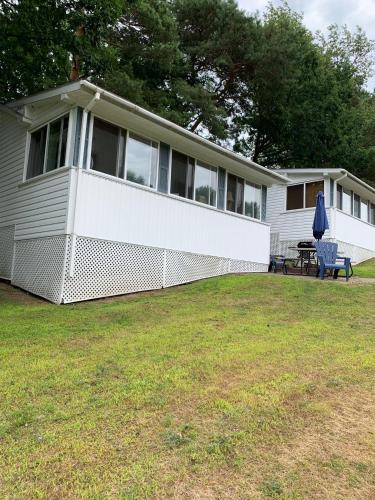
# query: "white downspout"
{"type": "Point", "coordinates": [80, 166]}
{"type": "Point", "coordinates": [333, 235]}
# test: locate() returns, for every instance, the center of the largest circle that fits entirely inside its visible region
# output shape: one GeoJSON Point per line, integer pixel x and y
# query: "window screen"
{"type": "Point", "coordinates": [36, 153]}
{"type": "Point", "coordinates": [357, 206]}
{"type": "Point", "coordinates": [312, 189]}
{"type": "Point", "coordinates": [104, 149]}
{"type": "Point", "coordinates": [294, 197]}
{"type": "Point", "coordinates": [182, 175]}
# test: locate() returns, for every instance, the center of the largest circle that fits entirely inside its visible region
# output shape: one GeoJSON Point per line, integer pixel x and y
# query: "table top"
{"type": "Point", "coordinates": [307, 249]}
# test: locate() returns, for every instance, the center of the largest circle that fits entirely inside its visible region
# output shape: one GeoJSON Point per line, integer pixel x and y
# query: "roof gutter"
{"type": "Point", "coordinates": [180, 130]}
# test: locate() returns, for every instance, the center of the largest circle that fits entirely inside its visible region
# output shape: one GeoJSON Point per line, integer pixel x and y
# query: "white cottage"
{"type": "Point", "coordinates": [350, 205]}
{"type": "Point", "coordinates": [100, 197]}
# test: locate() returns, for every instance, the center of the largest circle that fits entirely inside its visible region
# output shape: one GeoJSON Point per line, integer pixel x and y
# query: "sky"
{"type": "Point", "coordinates": [318, 14]}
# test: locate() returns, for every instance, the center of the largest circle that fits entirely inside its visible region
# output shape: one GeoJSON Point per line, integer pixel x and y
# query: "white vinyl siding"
{"type": "Point", "coordinates": [37, 207]}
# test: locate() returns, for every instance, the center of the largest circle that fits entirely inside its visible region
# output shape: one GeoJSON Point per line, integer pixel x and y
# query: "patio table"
{"type": "Point", "coordinates": [305, 254]}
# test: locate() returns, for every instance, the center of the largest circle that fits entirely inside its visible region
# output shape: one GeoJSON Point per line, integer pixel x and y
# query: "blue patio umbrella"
{"type": "Point", "coordinates": [320, 220]}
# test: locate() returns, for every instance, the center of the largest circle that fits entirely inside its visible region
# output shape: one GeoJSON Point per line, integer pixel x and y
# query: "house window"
{"type": "Point", "coordinates": [105, 154]}
{"type": "Point", "coordinates": [357, 206]}
{"type": "Point", "coordinates": [312, 189]}
{"type": "Point", "coordinates": [253, 200]}
{"type": "Point", "coordinates": [295, 197]}
{"type": "Point", "coordinates": [339, 197]}
{"type": "Point", "coordinates": [372, 214]}
{"type": "Point", "coordinates": [141, 160]}
{"type": "Point", "coordinates": [231, 192]}
{"type": "Point", "coordinates": [364, 210]}
{"type": "Point", "coordinates": [205, 184]}
{"type": "Point", "coordinates": [235, 194]}
{"type": "Point", "coordinates": [347, 201]}
{"type": "Point", "coordinates": [182, 175]}
{"type": "Point", "coordinates": [48, 147]}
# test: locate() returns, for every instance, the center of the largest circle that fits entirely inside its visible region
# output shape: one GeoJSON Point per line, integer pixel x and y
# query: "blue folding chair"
{"type": "Point", "coordinates": [326, 253]}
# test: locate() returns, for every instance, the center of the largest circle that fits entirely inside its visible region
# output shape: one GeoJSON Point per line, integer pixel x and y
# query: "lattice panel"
{"type": "Point", "coordinates": [105, 268]}
{"type": "Point", "coordinates": [6, 251]}
{"type": "Point", "coordinates": [38, 266]}
{"type": "Point", "coordinates": [182, 267]}
{"type": "Point", "coordinates": [357, 254]}
{"type": "Point", "coordinates": [275, 243]}
{"type": "Point", "coordinates": [242, 266]}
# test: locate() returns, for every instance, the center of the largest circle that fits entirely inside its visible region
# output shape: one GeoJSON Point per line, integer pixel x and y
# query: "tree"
{"type": "Point", "coordinates": [39, 41]}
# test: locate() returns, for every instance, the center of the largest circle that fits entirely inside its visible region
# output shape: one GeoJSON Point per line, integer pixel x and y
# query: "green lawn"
{"type": "Point", "coordinates": [249, 386]}
{"type": "Point", "coordinates": [365, 269]}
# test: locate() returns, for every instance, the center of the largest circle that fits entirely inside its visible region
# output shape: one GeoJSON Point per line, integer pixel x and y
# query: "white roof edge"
{"type": "Point", "coordinates": [84, 84]}
{"type": "Point", "coordinates": [181, 130]}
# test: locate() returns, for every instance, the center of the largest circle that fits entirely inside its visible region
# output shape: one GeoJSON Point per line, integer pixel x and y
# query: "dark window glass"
{"type": "Point", "coordinates": [36, 152]}
{"type": "Point", "coordinates": [339, 197]}
{"type": "Point", "coordinates": [231, 192]}
{"type": "Point", "coordinates": [312, 189]}
{"type": "Point", "coordinates": [141, 161]}
{"type": "Point", "coordinates": [372, 214]}
{"type": "Point", "coordinates": [182, 175]}
{"type": "Point", "coordinates": [240, 196]}
{"type": "Point", "coordinates": [294, 197]}
{"type": "Point", "coordinates": [357, 206]}
{"type": "Point", "coordinates": [104, 149]}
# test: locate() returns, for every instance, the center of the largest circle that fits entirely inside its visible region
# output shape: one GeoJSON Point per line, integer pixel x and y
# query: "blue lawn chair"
{"type": "Point", "coordinates": [277, 262]}
{"type": "Point", "coordinates": [326, 253]}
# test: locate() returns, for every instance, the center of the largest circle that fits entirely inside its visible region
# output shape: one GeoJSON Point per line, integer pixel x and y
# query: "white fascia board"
{"type": "Point", "coordinates": [45, 94]}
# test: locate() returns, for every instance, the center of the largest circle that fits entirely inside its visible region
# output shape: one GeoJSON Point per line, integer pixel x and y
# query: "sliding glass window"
{"type": "Point", "coordinates": [372, 214]}
{"type": "Point", "coordinates": [182, 175]}
{"type": "Point", "coordinates": [141, 160]}
{"type": "Point", "coordinates": [253, 200]}
{"type": "Point", "coordinates": [48, 147]}
{"type": "Point", "coordinates": [205, 186]}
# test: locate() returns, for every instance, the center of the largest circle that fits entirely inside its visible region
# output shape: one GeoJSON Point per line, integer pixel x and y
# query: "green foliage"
{"type": "Point", "coordinates": [265, 86]}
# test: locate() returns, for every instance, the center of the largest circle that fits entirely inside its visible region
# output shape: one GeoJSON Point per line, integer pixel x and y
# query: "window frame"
{"type": "Point", "coordinates": [86, 165]}
{"type": "Point", "coordinates": [304, 194]}
{"type": "Point", "coordinates": [245, 181]}
{"type": "Point", "coordinates": [207, 166]}
{"type": "Point", "coordinates": [40, 126]}
{"type": "Point", "coordinates": [170, 174]}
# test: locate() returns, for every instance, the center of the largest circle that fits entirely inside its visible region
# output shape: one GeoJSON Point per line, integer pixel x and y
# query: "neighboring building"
{"type": "Point", "coordinates": [350, 205]}
{"type": "Point", "coordinates": [99, 197]}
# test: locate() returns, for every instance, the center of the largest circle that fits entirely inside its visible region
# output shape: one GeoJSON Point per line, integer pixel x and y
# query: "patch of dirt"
{"type": "Point", "coordinates": [17, 295]}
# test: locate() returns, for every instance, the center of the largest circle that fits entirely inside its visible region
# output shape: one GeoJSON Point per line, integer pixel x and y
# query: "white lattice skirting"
{"type": "Point", "coordinates": [106, 268]}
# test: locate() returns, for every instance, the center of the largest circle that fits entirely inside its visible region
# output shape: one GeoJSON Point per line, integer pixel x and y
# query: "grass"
{"type": "Point", "coordinates": [365, 269]}
{"type": "Point", "coordinates": [252, 386]}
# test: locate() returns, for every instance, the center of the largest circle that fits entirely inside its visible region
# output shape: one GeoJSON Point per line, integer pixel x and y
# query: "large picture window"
{"type": "Point", "coordinates": [141, 160]}
{"type": "Point", "coordinates": [205, 186]}
{"type": "Point", "coordinates": [182, 175]}
{"type": "Point", "coordinates": [235, 194]}
{"type": "Point", "coordinates": [303, 195]}
{"type": "Point", "coordinates": [253, 200]}
{"type": "Point", "coordinates": [357, 206]}
{"type": "Point", "coordinates": [48, 148]}
{"type": "Point", "coordinates": [347, 201]}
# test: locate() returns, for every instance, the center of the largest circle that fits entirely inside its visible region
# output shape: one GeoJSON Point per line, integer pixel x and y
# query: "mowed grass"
{"type": "Point", "coordinates": [365, 269]}
{"type": "Point", "coordinates": [251, 386]}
